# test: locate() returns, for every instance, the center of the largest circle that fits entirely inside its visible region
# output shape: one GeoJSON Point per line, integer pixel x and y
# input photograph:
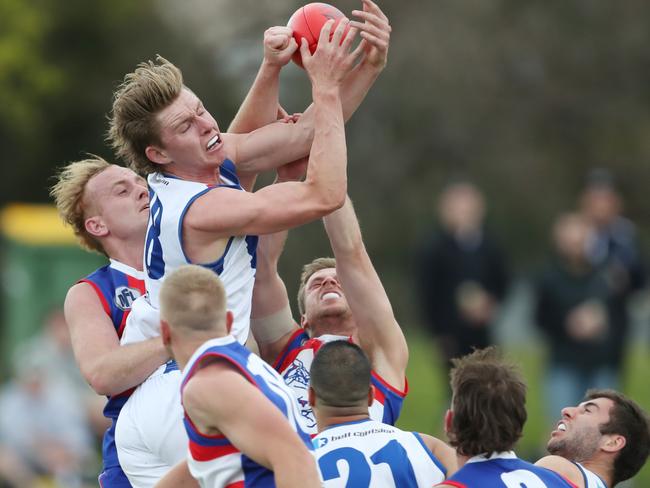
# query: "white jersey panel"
{"type": "Point", "coordinates": [170, 198]}
{"type": "Point", "coordinates": [370, 454]}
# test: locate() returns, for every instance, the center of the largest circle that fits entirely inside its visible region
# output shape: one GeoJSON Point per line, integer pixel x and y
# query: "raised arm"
{"type": "Point", "coordinates": [260, 107]}
{"type": "Point", "coordinates": [286, 205]}
{"type": "Point", "coordinates": [272, 146]}
{"type": "Point", "coordinates": [251, 423]}
{"type": "Point", "coordinates": [379, 334]}
{"type": "Point", "coordinates": [108, 367]}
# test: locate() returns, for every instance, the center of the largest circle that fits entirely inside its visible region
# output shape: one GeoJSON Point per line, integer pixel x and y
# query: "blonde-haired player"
{"type": "Point", "coordinates": [107, 206]}
{"type": "Point", "coordinates": [249, 433]}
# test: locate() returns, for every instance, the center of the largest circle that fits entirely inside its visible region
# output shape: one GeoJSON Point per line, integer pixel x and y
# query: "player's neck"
{"type": "Point", "coordinates": [331, 416]}
{"type": "Point", "coordinates": [129, 253]}
{"type": "Point", "coordinates": [207, 176]}
{"type": "Point", "coordinates": [601, 468]}
{"type": "Point", "coordinates": [184, 350]}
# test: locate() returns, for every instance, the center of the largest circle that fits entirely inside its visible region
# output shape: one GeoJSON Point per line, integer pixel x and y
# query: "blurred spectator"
{"type": "Point", "coordinates": [574, 309]}
{"type": "Point", "coordinates": [43, 428]}
{"type": "Point", "coordinates": [44, 413]}
{"type": "Point", "coordinates": [613, 246]}
{"type": "Point", "coordinates": [462, 274]}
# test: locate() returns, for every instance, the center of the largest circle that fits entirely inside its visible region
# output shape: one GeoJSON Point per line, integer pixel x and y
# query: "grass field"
{"type": "Point", "coordinates": [427, 399]}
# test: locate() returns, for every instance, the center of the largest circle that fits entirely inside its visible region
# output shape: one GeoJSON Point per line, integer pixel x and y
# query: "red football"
{"type": "Point", "coordinates": [307, 22]}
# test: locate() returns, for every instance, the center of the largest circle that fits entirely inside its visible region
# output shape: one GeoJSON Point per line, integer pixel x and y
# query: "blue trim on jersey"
{"type": "Point", "coordinates": [182, 217]}
{"type": "Point", "coordinates": [203, 439]}
{"type": "Point", "coordinates": [435, 460]}
{"type": "Point", "coordinates": [251, 247]}
{"type": "Point", "coordinates": [255, 475]}
{"type": "Point", "coordinates": [228, 169]}
{"type": "Point", "coordinates": [297, 340]}
{"type": "Point", "coordinates": [393, 402]}
{"type": "Point", "coordinates": [170, 366]}
{"type": "Point", "coordinates": [107, 280]}
{"type": "Point", "coordinates": [216, 266]}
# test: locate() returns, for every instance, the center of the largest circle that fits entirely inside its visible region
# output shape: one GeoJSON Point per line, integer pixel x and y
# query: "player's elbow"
{"type": "Point", "coordinates": [332, 198]}
{"type": "Point", "coordinates": [101, 382]}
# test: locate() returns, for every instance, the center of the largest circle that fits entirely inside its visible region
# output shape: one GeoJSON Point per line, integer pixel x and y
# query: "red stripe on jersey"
{"type": "Point", "coordinates": [452, 483]}
{"type": "Point", "coordinates": [292, 354]}
{"type": "Point", "coordinates": [138, 285]}
{"type": "Point", "coordinates": [101, 296]}
{"type": "Point", "coordinates": [379, 395]}
{"type": "Point", "coordinates": [236, 484]}
{"type": "Point", "coordinates": [392, 388]}
{"type": "Point", "coordinates": [208, 453]}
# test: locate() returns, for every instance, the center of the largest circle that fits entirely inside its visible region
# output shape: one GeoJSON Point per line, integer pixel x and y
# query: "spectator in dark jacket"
{"type": "Point", "coordinates": [462, 275]}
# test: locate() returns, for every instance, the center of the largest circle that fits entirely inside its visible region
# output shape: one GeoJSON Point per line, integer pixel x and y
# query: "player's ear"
{"type": "Point", "coordinates": [449, 417]}
{"type": "Point", "coordinates": [311, 397]}
{"type": "Point", "coordinates": [95, 226]}
{"type": "Point", "coordinates": [229, 320]}
{"type": "Point", "coordinates": [305, 324]}
{"type": "Point", "coordinates": [156, 155]}
{"type": "Point", "coordinates": [371, 395]}
{"type": "Point", "coordinates": [165, 333]}
{"type": "Point", "coordinates": [612, 442]}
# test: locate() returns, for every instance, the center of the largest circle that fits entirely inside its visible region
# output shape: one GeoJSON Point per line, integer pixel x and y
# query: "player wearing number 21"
{"type": "Point", "coordinates": [486, 419]}
{"type": "Point", "coordinates": [352, 449]}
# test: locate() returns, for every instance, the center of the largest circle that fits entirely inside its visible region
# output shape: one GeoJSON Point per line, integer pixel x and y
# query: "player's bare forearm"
{"type": "Point", "coordinates": [127, 366]}
{"type": "Point", "coordinates": [108, 367]}
{"type": "Point", "coordinates": [379, 333]}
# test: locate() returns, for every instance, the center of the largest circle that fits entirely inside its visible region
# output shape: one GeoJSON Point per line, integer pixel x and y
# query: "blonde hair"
{"type": "Point", "coordinates": [308, 270]}
{"type": "Point", "coordinates": [153, 86]}
{"type": "Point", "coordinates": [193, 298]}
{"type": "Point", "coordinates": [69, 196]}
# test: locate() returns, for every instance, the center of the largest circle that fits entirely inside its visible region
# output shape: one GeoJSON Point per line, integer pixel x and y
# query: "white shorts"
{"type": "Point", "coordinates": [150, 435]}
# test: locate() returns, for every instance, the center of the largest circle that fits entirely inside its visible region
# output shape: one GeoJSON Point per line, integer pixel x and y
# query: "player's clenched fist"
{"type": "Point", "coordinates": [279, 45]}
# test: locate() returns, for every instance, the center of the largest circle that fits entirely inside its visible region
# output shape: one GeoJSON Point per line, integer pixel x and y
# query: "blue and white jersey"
{"type": "Point", "coordinates": [369, 454]}
{"type": "Point", "coordinates": [592, 480]}
{"type": "Point", "coordinates": [213, 460]}
{"type": "Point", "coordinates": [170, 198]}
{"type": "Point", "coordinates": [294, 363]}
{"type": "Point", "coordinates": [505, 470]}
{"type": "Point", "coordinates": [117, 286]}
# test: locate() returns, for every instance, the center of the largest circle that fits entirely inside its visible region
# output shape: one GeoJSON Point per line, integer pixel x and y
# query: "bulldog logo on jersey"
{"type": "Point", "coordinates": [125, 296]}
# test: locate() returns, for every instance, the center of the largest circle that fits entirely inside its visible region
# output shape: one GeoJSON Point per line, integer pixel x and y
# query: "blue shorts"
{"type": "Point", "coordinates": [113, 478]}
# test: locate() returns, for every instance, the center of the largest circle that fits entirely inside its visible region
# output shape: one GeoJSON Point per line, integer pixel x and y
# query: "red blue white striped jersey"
{"type": "Point", "coordinates": [117, 286]}
{"type": "Point", "coordinates": [170, 198]}
{"type": "Point", "coordinates": [213, 460]}
{"type": "Point", "coordinates": [505, 470]}
{"type": "Point", "coordinates": [369, 454]}
{"type": "Point", "coordinates": [294, 364]}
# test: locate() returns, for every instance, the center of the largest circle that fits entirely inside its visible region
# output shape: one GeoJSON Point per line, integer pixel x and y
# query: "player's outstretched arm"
{"type": "Point", "coordinates": [108, 367]}
{"type": "Point", "coordinates": [282, 206]}
{"type": "Point", "coordinates": [261, 105]}
{"type": "Point", "coordinates": [178, 477]}
{"type": "Point", "coordinates": [379, 333]}
{"type": "Point", "coordinates": [564, 468]}
{"type": "Point", "coordinates": [250, 422]}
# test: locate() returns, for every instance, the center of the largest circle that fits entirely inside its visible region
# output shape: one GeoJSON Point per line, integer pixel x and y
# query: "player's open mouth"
{"type": "Point", "coordinates": [561, 427]}
{"type": "Point", "coordinates": [329, 295]}
{"type": "Point", "coordinates": [212, 143]}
